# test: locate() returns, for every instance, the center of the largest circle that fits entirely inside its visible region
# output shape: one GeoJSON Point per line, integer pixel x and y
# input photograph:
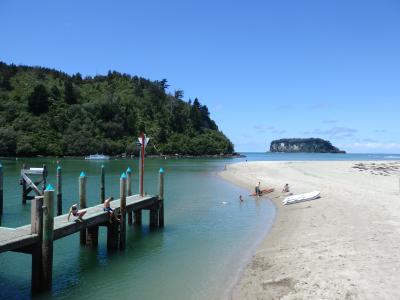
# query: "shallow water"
{"type": "Point", "coordinates": [196, 256]}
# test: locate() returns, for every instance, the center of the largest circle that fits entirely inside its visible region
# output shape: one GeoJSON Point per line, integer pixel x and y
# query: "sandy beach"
{"type": "Point", "coordinates": [345, 245]}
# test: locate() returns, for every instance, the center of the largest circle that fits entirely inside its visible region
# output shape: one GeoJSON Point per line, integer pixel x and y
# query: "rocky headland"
{"type": "Point", "coordinates": [311, 145]}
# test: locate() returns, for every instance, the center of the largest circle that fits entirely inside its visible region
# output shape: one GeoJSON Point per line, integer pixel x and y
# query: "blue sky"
{"type": "Point", "coordinates": [265, 69]}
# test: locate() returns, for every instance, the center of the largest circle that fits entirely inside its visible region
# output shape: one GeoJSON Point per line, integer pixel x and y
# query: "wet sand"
{"type": "Point", "coordinates": [345, 245]}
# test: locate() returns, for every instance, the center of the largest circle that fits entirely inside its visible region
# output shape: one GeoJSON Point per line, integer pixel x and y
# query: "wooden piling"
{"type": "Point", "coordinates": [112, 235]}
{"type": "Point", "coordinates": [23, 187]}
{"type": "Point", "coordinates": [92, 237]}
{"type": "Point", "coordinates": [122, 226]}
{"type": "Point", "coordinates": [137, 217]}
{"type": "Point", "coordinates": [102, 185]}
{"type": "Point", "coordinates": [82, 202]}
{"type": "Point", "coordinates": [47, 243]}
{"type": "Point", "coordinates": [44, 176]}
{"type": "Point", "coordinates": [154, 216]}
{"type": "Point", "coordinates": [1, 190]}
{"type": "Point", "coordinates": [59, 191]}
{"type": "Point", "coordinates": [129, 192]}
{"type": "Point", "coordinates": [161, 198]}
{"type": "Point", "coordinates": [37, 257]}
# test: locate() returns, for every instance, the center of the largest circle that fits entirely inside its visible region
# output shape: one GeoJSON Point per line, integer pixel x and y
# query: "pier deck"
{"type": "Point", "coordinates": [12, 239]}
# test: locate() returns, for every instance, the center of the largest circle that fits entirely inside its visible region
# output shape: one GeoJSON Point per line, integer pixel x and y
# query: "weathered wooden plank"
{"type": "Point", "coordinates": [32, 171]}
{"type": "Point", "coordinates": [31, 184]}
{"type": "Point", "coordinates": [18, 241]}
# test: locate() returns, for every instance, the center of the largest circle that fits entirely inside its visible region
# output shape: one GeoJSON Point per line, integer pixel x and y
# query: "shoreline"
{"type": "Point", "coordinates": [342, 245]}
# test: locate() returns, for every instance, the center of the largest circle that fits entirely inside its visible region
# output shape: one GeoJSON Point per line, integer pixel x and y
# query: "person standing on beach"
{"type": "Point", "coordinates": [257, 189]}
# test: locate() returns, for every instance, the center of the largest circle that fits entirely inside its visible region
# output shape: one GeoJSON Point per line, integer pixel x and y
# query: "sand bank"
{"type": "Point", "coordinates": [345, 245]}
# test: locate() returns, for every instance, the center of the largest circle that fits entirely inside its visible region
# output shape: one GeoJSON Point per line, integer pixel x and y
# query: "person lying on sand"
{"type": "Point", "coordinates": [76, 213]}
{"type": "Point", "coordinates": [109, 210]}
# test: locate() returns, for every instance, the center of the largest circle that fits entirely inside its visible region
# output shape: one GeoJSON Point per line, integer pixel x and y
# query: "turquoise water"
{"type": "Point", "coordinates": [196, 256]}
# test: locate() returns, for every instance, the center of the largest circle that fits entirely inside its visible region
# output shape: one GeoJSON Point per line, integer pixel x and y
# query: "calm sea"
{"type": "Point", "coordinates": [208, 237]}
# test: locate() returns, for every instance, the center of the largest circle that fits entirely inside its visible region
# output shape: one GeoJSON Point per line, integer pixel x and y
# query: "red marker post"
{"type": "Point", "coordinates": [143, 141]}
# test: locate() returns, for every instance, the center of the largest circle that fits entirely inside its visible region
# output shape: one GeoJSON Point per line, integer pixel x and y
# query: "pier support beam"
{"type": "Point", "coordinates": [161, 198]}
{"type": "Point", "coordinates": [59, 192]}
{"type": "Point", "coordinates": [82, 202]}
{"type": "Point", "coordinates": [48, 235]}
{"type": "Point", "coordinates": [122, 226]}
{"type": "Point", "coordinates": [37, 261]}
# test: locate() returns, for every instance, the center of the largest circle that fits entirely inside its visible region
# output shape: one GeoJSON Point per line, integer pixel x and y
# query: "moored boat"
{"type": "Point", "coordinates": [301, 197]}
{"type": "Point", "coordinates": [97, 157]}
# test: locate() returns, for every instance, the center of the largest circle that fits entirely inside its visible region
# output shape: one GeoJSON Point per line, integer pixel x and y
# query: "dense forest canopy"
{"type": "Point", "coordinates": [48, 112]}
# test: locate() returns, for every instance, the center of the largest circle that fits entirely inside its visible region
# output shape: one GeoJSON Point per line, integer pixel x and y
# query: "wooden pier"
{"type": "Point", "coordinates": [37, 238]}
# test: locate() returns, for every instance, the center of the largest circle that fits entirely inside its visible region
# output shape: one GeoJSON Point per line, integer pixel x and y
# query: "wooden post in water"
{"type": "Point", "coordinates": [122, 226]}
{"type": "Point", "coordinates": [48, 232]}
{"type": "Point", "coordinates": [92, 236]}
{"type": "Point", "coordinates": [161, 198]}
{"type": "Point", "coordinates": [129, 192]}
{"type": "Point", "coordinates": [37, 257]}
{"type": "Point", "coordinates": [112, 235]}
{"type": "Point", "coordinates": [82, 202]}
{"type": "Point", "coordinates": [154, 211]}
{"type": "Point", "coordinates": [59, 191]}
{"type": "Point", "coordinates": [23, 187]}
{"type": "Point", "coordinates": [1, 191]}
{"type": "Point", "coordinates": [102, 185]}
{"type": "Point", "coordinates": [44, 175]}
{"type": "Point", "coordinates": [137, 217]}
{"type": "Point", "coordinates": [141, 183]}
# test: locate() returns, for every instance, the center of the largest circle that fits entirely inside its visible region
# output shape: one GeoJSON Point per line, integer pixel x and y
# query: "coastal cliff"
{"type": "Point", "coordinates": [315, 145]}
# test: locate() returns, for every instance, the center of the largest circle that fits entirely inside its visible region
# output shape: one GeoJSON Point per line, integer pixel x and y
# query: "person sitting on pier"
{"type": "Point", "coordinates": [76, 213]}
{"type": "Point", "coordinates": [109, 210]}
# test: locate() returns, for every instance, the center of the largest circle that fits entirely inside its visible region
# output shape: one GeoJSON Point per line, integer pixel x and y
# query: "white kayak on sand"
{"type": "Point", "coordinates": [301, 197]}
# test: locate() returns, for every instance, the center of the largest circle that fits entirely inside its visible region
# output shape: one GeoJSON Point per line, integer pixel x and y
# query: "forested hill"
{"type": "Point", "coordinates": [47, 112]}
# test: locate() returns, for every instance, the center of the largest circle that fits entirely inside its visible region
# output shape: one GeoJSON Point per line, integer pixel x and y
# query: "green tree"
{"type": "Point", "coordinates": [38, 101]}
{"type": "Point", "coordinates": [70, 95]}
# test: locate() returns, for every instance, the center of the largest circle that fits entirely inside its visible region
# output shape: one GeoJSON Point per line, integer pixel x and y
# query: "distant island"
{"type": "Point", "coordinates": [51, 113]}
{"type": "Point", "coordinates": [310, 145]}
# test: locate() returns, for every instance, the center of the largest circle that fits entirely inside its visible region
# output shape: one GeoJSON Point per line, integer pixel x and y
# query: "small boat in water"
{"type": "Point", "coordinates": [301, 197]}
{"type": "Point", "coordinates": [97, 157]}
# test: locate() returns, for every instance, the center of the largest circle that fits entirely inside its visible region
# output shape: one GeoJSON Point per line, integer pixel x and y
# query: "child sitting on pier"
{"type": "Point", "coordinates": [109, 210]}
{"type": "Point", "coordinates": [76, 213]}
